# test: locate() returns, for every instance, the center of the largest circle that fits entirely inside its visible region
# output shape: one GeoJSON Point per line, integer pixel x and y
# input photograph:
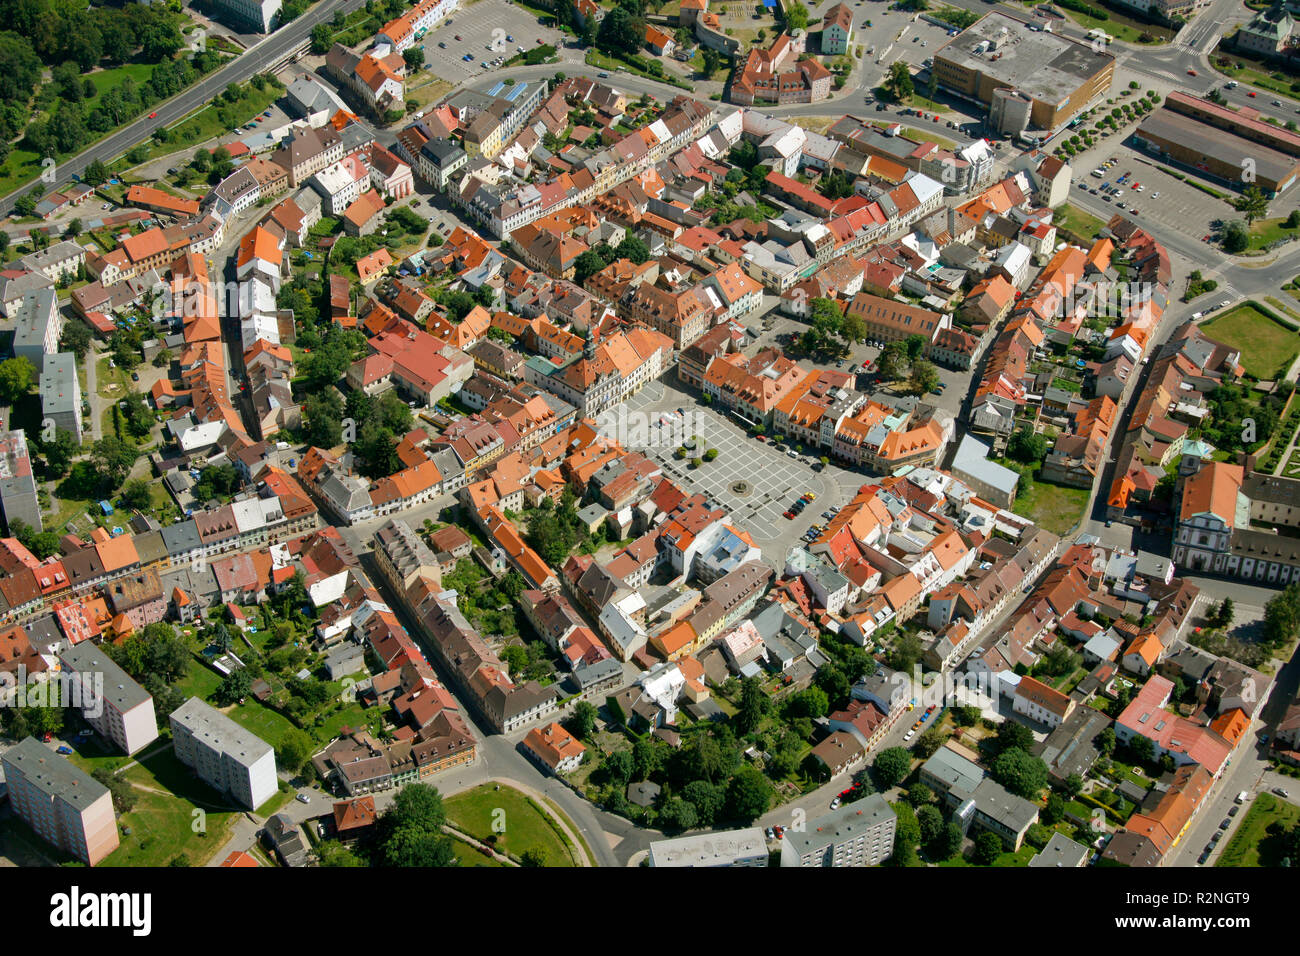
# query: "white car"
{"type": "Point", "coordinates": [909, 735]}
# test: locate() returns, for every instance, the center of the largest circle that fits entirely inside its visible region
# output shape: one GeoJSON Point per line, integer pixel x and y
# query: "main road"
{"type": "Point", "coordinates": [263, 55]}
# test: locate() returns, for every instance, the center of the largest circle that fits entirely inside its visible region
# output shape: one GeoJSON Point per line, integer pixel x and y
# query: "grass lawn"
{"type": "Point", "coordinates": [925, 136]}
{"type": "Point", "coordinates": [526, 827]}
{"type": "Point", "coordinates": [467, 855]}
{"type": "Point", "coordinates": [1252, 844]}
{"type": "Point", "coordinates": [1266, 345]}
{"type": "Point", "coordinates": [1262, 78]}
{"type": "Point", "coordinates": [1119, 27]}
{"type": "Point", "coordinates": [200, 682]}
{"type": "Point", "coordinates": [162, 822]}
{"type": "Point", "coordinates": [1053, 507]}
{"type": "Point", "coordinates": [1264, 231]}
{"type": "Point", "coordinates": [263, 721]}
{"type": "Point", "coordinates": [1020, 858]}
{"type": "Point", "coordinates": [430, 92]}
{"type": "Point", "coordinates": [1082, 224]}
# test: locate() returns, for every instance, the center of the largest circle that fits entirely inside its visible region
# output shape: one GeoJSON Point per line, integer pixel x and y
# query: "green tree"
{"type": "Point", "coordinates": [1252, 203]}
{"type": "Point", "coordinates": [410, 831]}
{"type": "Point", "coordinates": [618, 768]}
{"type": "Point", "coordinates": [930, 821]}
{"type": "Point", "coordinates": [893, 362]}
{"type": "Point", "coordinates": [924, 377]}
{"type": "Point", "coordinates": [929, 742]}
{"type": "Point", "coordinates": [59, 452]}
{"type": "Point", "coordinates": [748, 794]}
{"type": "Point", "coordinates": [582, 722]}
{"type": "Point", "coordinates": [533, 858]}
{"type": "Point", "coordinates": [918, 794]}
{"type": "Point", "coordinates": [1014, 736]}
{"type": "Point", "coordinates": [233, 687]}
{"type": "Point", "coordinates": [1054, 811]}
{"type": "Point", "coordinates": [295, 750]}
{"type": "Point", "coordinates": [898, 83]}
{"type": "Point", "coordinates": [753, 706]}
{"type": "Point", "coordinates": [113, 459]}
{"type": "Point", "coordinates": [1022, 774]}
{"type": "Point", "coordinates": [891, 766]}
{"type": "Point", "coordinates": [1026, 445]}
{"type": "Point", "coordinates": [677, 814]}
{"type": "Point", "coordinates": [949, 843]}
{"type": "Point", "coordinates": [988, 847]}
{"type": "Point", "coordinates": [321, 39]}
{"type": "Point", "coordinates": [1235, 237]}
{"type": "Point", "coordinates": [1142, 749]}
{"type": "Point", "coordinates": [17, 375]}
{"type": "Point", "coordinates": [707, 799]}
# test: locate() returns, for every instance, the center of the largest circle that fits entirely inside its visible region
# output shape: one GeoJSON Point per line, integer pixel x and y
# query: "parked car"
{"type": "Point", "coordinates": [1282, 792]}
{"type": "Point", "coordinates": [65, 750]}
{"type": "Point", "coordinates": [303, 798]}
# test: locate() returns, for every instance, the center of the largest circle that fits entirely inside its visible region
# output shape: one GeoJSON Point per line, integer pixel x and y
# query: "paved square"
{"type": "Point", "coordinates": [773, 479]}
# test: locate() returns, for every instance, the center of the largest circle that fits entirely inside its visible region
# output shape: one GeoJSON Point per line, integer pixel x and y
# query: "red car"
{"type": "Point", "coordinates": [762, 438]}
{"type": "Point", "coordinates": [1250, 93]}
{"type": "Point", "coordinates": [1191, 72]}
{"type": "Point", "coordinates": [790, 515]}
{"type": "Point", "coordinates": [780, 832]}
{"type": "Point", "coordinates": [153, 115]}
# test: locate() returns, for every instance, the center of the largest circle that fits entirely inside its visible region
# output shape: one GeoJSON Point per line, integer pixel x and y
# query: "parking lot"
{"type": "Point", "coordinates": [773, 479]}
{"type": "Point", "coordinates": [485, 30]}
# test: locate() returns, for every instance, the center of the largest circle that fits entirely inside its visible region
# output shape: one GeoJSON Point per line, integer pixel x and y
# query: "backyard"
{"type": "Point", "coordinates": [1055, 508]}
{"type": "Point", "coordinates": [1266, 345]}
{"type": "Point", "coordinates": [1082, 224]}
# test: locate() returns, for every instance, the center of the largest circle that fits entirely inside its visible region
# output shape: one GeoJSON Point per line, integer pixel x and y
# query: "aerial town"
{"type": "Point", "coordinates": [650, 433]}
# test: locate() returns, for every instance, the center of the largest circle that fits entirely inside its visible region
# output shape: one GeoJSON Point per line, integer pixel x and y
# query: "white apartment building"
{"type": "Point", "coordinates": [857, 834]}
{"type": "Point", "coordinates": [745, 847]}
{"type": "Point", "coordinates": [224, 755]}
{"type": "Point", "coordinates": [117, 707]}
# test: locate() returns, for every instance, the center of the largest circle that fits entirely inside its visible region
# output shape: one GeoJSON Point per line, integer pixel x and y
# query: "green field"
{"type": "Point", "coordinates": [164, 821]}
{"type": "Point", "coordinates": [1264, 231]}
{"type": "Point", "coordinates": [1253, 844]}
{"type": "Point", "coordinates": [1266, 346]}
{"type": "Point", "coordinates": [526, 827]}
{"type": "Point", "coordinates": [1082, 224]}
{"type": "Point", "coordinates": [1052, 507]}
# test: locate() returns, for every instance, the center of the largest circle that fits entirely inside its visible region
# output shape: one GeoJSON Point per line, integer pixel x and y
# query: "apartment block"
{"type": "Point", "coordinates": [224, 755]}
{"type": "Point", "coordinates": [857, 834]}
{"type": "Point", "coordinates": [117, 707]}
{"type": "Point", "coordinates": [65, 806]}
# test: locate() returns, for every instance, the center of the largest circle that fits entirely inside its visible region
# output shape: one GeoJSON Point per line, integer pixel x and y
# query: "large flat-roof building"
{"type": "Point", "coordinates": [1220, 141]}
{"type": "Point", "coordinates": [37, 327]}
{"type": "Point", "coordinates": [1060, 76]}
{"type": "Point", "coordinates": [114, 704]}
{"type": "Point", "coordinates": [225, 755]}
{"type": "Point", "coordinates": [857, 834]}
{"type": "Point", "coordinates": [61, 392]}
{"type": "Point", "coordinates": [733, 848]}
{"type": "Point", "coordinates": [65, 806]}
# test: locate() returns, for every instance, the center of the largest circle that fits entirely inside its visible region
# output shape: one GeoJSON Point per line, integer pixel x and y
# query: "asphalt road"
{"type": "Point", "coordinates": [267, 53]}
